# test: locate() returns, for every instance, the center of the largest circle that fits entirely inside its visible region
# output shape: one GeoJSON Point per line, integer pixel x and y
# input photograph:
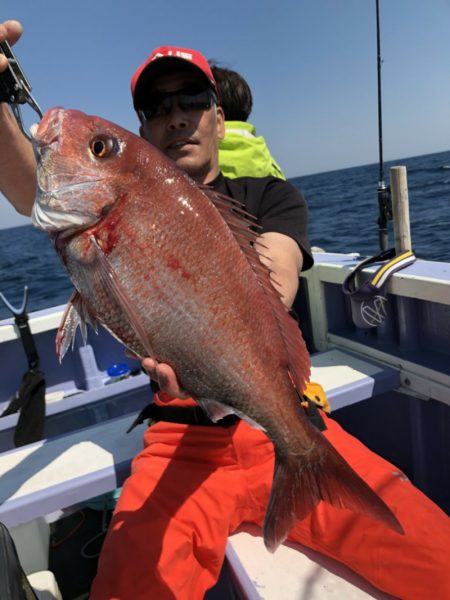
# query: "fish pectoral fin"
{"type": "Point", "coordinates": [76, 314]}
{"type": "Point", "coordinates": [105, 274]}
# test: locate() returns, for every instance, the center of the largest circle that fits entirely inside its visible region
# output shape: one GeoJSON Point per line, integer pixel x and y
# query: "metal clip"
{"type": "Point", "coordinates": [15, 88]}
{"type": "Point", "coordinates": [21, 319]}
{"type": "Point", "coordinates": [17, 312]}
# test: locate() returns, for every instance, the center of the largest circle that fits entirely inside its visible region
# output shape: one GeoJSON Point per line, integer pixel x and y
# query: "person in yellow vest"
{"type": "Point", "coordinates": [241, 152]}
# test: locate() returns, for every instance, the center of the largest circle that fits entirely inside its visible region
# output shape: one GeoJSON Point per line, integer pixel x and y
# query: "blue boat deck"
{"type": "Point", "coordinates": [397, 378]}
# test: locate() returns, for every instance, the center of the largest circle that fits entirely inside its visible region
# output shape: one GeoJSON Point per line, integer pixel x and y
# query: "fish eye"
{"type": "Point", "coordinates": [101, 146]}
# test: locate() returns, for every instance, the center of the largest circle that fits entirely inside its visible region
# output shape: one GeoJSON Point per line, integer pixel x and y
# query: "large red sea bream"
{"type": "Point", "coordinates": [170, 269]}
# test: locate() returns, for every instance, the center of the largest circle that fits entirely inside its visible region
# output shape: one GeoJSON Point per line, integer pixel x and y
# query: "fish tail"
{"type": "Point", "coordinates": [296, 490]}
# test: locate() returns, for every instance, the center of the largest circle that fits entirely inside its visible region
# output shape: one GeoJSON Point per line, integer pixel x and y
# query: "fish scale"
{"type": "Point", "coordinates": [170, 268]}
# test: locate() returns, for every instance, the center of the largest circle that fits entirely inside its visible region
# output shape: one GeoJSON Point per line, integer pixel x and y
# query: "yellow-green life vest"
{"type": "Point", "coordinates": [243, 154]}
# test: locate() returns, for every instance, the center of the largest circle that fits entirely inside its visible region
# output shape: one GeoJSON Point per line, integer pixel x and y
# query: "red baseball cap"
{"type": "Point", "coordinates": [167, 58]}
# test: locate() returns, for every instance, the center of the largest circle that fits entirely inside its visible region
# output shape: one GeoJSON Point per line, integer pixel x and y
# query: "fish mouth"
{"type": "Point", "coordinates": [55, 220]}
{"type": "Point", "coordinates": [47, 191]}
{"type": "Point", "coordinates": [45, 135]}
{"type": "Point", "coordinates": [49, 211]}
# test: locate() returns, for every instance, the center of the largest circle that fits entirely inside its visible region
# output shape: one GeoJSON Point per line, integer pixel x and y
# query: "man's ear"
{"type": "Point", "coordinates": [220, 123]}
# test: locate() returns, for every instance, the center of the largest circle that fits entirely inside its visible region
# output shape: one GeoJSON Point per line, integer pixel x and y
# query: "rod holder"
{"type": "Point", "coordinates": [400, 209]}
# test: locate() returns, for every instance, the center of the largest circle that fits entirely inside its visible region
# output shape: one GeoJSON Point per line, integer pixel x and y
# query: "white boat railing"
{"type": "Point", "coordinates": [424, 367]}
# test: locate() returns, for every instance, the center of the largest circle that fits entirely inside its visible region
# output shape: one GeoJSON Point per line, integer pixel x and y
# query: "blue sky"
{"type": "Point", "coordinates": [311, 65]}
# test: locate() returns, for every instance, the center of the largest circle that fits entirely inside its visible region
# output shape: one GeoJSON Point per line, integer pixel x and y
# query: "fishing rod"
{"type": "Point", "coordinates": [383, 192]}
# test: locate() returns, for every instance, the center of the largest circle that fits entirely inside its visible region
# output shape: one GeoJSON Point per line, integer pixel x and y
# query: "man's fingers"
{"type": "Point", "coordinates": [168, 381]}
{"type": "Point", "coordinates": [165, 376]}
{"type": "Point", "coordinates": [10, 31]}
{"type": "Point", "coordinates": [150, 366]}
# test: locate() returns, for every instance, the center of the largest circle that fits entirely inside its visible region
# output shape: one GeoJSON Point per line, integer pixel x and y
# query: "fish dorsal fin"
{"type": "Point", "coordinates": [234, 214]}
{"type": "Point", "coordinates": [76, 315]}
{"type": "Point", "coordinates": [245, 230]}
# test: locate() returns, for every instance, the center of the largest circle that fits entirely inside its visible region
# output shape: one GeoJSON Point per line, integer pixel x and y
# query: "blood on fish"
{"type": "Point", "coordinates": [190, 290]}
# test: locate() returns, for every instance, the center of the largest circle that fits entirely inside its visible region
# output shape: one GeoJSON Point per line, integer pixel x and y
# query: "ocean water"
{"type": "Point", "coordinates": [343, 209]}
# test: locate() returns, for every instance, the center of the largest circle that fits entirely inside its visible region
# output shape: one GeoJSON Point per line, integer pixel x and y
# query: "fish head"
{"type": "Point", "coordinates": [82, 169]}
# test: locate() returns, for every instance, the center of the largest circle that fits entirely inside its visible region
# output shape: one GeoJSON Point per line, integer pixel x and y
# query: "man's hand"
{"type": "Point", "coordinates": [165, 376]}
{"type": "Point", "coordinates": [17, 162]}
{"type": "Point", "coordinates": [10, 31]}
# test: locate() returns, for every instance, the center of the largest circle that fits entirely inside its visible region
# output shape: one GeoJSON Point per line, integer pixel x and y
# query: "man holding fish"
{"type": "Point", "coordinates": [201, 475]}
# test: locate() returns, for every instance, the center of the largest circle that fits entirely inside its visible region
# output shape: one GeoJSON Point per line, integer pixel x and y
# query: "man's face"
{"type": "Point", "coordinates": [189, 137]}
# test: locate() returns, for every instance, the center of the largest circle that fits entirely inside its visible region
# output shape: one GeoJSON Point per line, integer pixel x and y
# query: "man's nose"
{"type": "Point", "coordinates": [178, 119]}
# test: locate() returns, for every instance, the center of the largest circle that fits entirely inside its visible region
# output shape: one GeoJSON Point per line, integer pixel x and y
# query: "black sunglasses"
{"type": "Point", "coordinates": [192, 98]}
